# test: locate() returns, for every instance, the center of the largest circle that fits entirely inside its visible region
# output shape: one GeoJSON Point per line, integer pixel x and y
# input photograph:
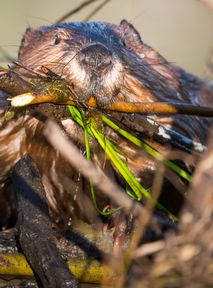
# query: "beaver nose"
{"type": "Point", "coordinates": [96, 56]}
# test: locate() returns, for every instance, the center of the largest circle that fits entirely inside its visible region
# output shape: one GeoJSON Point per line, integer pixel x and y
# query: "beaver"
{"type": "Point", "coordinates": [109, 62]}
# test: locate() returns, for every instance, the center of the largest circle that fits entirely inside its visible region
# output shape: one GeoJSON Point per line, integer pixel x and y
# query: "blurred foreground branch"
{"type": "Point", "coordinates": [184, 260]}
{"type": "Point", "coordinates": [57, 139]}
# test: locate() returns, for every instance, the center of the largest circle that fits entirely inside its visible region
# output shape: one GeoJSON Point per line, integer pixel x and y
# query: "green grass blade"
{"type": "Point", "coordinates": [120, 165]}
{"type": "Point", "coordinates": [81, 119]}
{"type": "Point", "coordinates": [137, 190]}
{"type": "Point", "coordinates": [147, 148]}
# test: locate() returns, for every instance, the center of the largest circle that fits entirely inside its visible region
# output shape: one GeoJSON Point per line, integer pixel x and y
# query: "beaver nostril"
{"type": "Point", "coordinates": [96, 56]}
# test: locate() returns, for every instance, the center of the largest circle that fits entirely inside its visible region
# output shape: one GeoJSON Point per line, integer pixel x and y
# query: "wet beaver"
{"type": "Point", "coordinates": [109, 62]}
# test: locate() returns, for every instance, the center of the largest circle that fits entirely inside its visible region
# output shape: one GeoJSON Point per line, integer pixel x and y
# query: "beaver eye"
{"type": "Point", "coordinates": [57, 40]}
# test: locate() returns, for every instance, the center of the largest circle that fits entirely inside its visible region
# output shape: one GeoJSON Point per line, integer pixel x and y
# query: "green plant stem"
{"type": "Point", "coordinates": [88, 154]}
{"type": "Point", "coordinates": [112, 153]}
{"type": "Point", "coordinates": [147, 148]}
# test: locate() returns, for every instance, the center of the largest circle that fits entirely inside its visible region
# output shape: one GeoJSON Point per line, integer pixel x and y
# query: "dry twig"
{"type": "Point", "coordinates": [76, 10]}
{"type": "Point", "coordinates": [57, 139]}
{"type": "Point", "coordinates": [98, 8]}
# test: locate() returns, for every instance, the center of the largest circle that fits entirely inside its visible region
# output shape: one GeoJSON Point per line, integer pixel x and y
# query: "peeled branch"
{"type": "Point", "coordinates": [118, 106]}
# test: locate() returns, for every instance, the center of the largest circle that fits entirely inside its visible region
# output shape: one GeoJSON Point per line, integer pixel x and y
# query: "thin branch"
{"type": "Point", "coordinates": [118, 106]}
{"type": "Point", "coordinates": [74, 11]}
{"type": "Point", "coordinates": [149, 249]}
{"type": "Point", "coordinates": [177, 139]}
{"type": "Point", "coordinates": [98, 8]}
{"type": "Point", "coordinates": [15, 265]}
{"type": "Point", "coordinates": [161, 108]}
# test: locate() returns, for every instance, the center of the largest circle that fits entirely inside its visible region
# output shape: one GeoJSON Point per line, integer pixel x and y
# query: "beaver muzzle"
{"type": "Point", "coordinates": [96, 57]}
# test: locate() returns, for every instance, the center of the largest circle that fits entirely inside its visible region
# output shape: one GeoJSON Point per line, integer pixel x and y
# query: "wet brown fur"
{"type": "Point", "coordinates": [144, 75]}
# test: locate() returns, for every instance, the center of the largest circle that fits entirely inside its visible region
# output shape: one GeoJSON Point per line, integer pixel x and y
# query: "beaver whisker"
{"type": "Point", "coordinates": [65, 64]}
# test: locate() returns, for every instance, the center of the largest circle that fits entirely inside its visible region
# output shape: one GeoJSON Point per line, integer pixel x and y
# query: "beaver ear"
{"type": "Point", "coordinates": [130, 34]}
{"type": "Point", "coordinates": [31, 36]}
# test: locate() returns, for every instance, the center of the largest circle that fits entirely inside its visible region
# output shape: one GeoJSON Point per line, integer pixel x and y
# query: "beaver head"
{"type": "Point", "coordinates": [99, 59]}
{"type": "Point", "coordinates": [86, 55]}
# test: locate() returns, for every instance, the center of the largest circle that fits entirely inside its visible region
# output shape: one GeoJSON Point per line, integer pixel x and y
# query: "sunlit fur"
{"type": "Point", "coordinates": [139, 73]}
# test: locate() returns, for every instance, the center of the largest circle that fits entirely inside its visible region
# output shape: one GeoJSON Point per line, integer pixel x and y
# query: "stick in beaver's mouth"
{"type": "Point", "coordinates": [145, 108]}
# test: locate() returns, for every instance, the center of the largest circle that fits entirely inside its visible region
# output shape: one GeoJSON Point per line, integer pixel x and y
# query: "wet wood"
{"type": "Point", "coordinates": [13, 83]}
{"type": "Point", "coordinates": [34, 228]}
